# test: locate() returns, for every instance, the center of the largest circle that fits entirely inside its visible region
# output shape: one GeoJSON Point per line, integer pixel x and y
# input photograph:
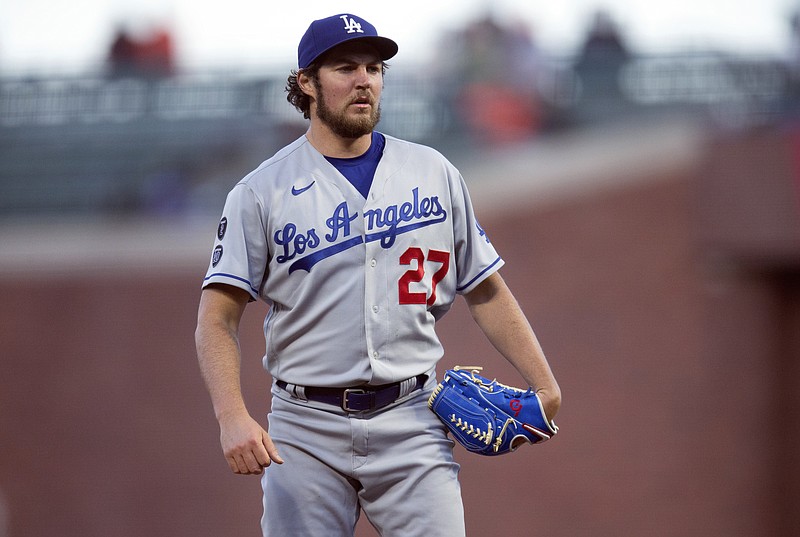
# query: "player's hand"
{"type": "Point", "coordinates": [550, 403]}
{"type": "Point", "coordinates": [246, 445]}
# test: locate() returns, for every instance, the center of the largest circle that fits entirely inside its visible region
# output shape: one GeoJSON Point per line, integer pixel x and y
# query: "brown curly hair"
{"type": "Point", "coordinates": [296, 96]}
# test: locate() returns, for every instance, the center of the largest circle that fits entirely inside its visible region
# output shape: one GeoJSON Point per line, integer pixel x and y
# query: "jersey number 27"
{"type": "Point", "coordinates": [416, 275]}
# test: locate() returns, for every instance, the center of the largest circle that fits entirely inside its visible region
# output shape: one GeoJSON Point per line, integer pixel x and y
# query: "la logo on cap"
{"type": "Point", "coordinates": [324, 34]}
{"type": "Point", "coordinates": [351, 25]}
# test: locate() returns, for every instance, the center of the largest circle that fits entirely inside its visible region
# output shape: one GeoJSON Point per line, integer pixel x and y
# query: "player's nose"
{"type": "Point", "coordinates": [363, 79]}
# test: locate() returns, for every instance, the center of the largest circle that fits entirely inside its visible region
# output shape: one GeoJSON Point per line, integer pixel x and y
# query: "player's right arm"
{"type": "Point", "coordinates": [247, 447]}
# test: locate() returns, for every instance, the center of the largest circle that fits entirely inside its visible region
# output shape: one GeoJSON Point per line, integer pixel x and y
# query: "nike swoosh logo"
{"type": "Point", "coordinates": [297, 191]}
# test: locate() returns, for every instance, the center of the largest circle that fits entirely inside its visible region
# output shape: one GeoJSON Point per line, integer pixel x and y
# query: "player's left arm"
{"type": "Point", "coordinates": [498, 314]}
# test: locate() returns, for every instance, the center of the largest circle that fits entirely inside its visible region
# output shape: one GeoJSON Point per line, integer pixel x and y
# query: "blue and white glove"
{"type": "Point", "coordinates": [487, 417]}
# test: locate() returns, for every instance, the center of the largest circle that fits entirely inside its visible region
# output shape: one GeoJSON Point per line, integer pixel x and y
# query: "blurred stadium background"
{"type": "Point", "coordinates": [647, 204]}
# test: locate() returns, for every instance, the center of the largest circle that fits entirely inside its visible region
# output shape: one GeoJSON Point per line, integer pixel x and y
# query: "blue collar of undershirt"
{"type": "Point", "coordinates": [360, 170]}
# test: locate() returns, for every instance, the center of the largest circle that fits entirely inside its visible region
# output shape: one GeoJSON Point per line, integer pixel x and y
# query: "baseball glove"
{"type": "Point", "coordinates": [487, 417]}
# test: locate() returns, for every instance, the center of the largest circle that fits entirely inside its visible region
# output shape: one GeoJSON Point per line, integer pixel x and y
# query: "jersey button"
{"type": "Point", "coordinates": [373, 263]}
{"type": "Point", "coordinates": [375, 354]}
{"type": "Point", "coordinates": [374, 309]}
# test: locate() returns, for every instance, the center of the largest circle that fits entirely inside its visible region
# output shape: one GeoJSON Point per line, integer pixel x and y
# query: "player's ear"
{"type": "Point", "coordinates": [306, 84]}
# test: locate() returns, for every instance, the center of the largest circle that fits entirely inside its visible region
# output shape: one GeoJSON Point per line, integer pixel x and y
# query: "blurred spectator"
{"type": "Point", "coordinates": [493, 80]}
{"type": "Point", "coordinates": [122, 55]}
{"type": "Point", "coordinates": [599, 65]}
{"type": "Point", "coordinates": [483, 44]}
{"type": "Point", "coordinates": [155, 55]}
{"type": "Point", "coordinates": [149, 56]}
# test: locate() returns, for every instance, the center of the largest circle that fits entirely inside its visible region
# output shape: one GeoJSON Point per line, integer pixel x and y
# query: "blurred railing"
{"type": "Point", "coordinates": [91, 101]}
{"type": "Point", "coordinates": [94, 144]}
{"type": "Point", "coordinates": [732, 90]}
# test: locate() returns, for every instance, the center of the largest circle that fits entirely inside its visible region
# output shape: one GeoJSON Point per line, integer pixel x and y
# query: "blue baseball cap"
{"type": "Point", "coordinates": [324, 34]}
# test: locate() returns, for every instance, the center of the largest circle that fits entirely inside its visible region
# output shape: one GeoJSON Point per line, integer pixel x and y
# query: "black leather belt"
{"type": "Point", "coordinates": [358, 399]}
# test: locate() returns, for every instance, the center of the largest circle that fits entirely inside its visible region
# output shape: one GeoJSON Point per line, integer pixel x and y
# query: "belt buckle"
{"type": "Point", "coordinates": [346, 394]}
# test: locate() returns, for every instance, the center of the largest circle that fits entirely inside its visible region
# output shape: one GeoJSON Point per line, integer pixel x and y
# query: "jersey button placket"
{"type": "Point", "coordinates": [370, 295]}
{"type": "Point", "coordinates": [375, 309]}
{"type": "Point", "coordinates": [374, 263]}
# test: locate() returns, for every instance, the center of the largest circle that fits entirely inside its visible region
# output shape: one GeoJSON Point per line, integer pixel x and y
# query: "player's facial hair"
{"type": "Point", "coordinates": [341, 124]}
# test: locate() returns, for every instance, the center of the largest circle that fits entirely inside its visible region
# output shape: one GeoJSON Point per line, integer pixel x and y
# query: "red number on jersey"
{"type": "Point", "coordinates": [416, 275]}
{"type": "Point", "coordinates": [411, 276]}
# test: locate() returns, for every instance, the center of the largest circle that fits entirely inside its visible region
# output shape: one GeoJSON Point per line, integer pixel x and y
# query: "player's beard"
{"type": "Point", "coordinates": [347, 126]}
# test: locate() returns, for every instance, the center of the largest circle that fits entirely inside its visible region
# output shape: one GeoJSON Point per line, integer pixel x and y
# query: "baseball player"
{"type": "Point", "coordinates": [359, 242]}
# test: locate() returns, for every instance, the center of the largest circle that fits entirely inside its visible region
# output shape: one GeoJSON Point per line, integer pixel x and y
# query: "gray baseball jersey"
{"type": "Point", "coordinates": [355, 286]}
